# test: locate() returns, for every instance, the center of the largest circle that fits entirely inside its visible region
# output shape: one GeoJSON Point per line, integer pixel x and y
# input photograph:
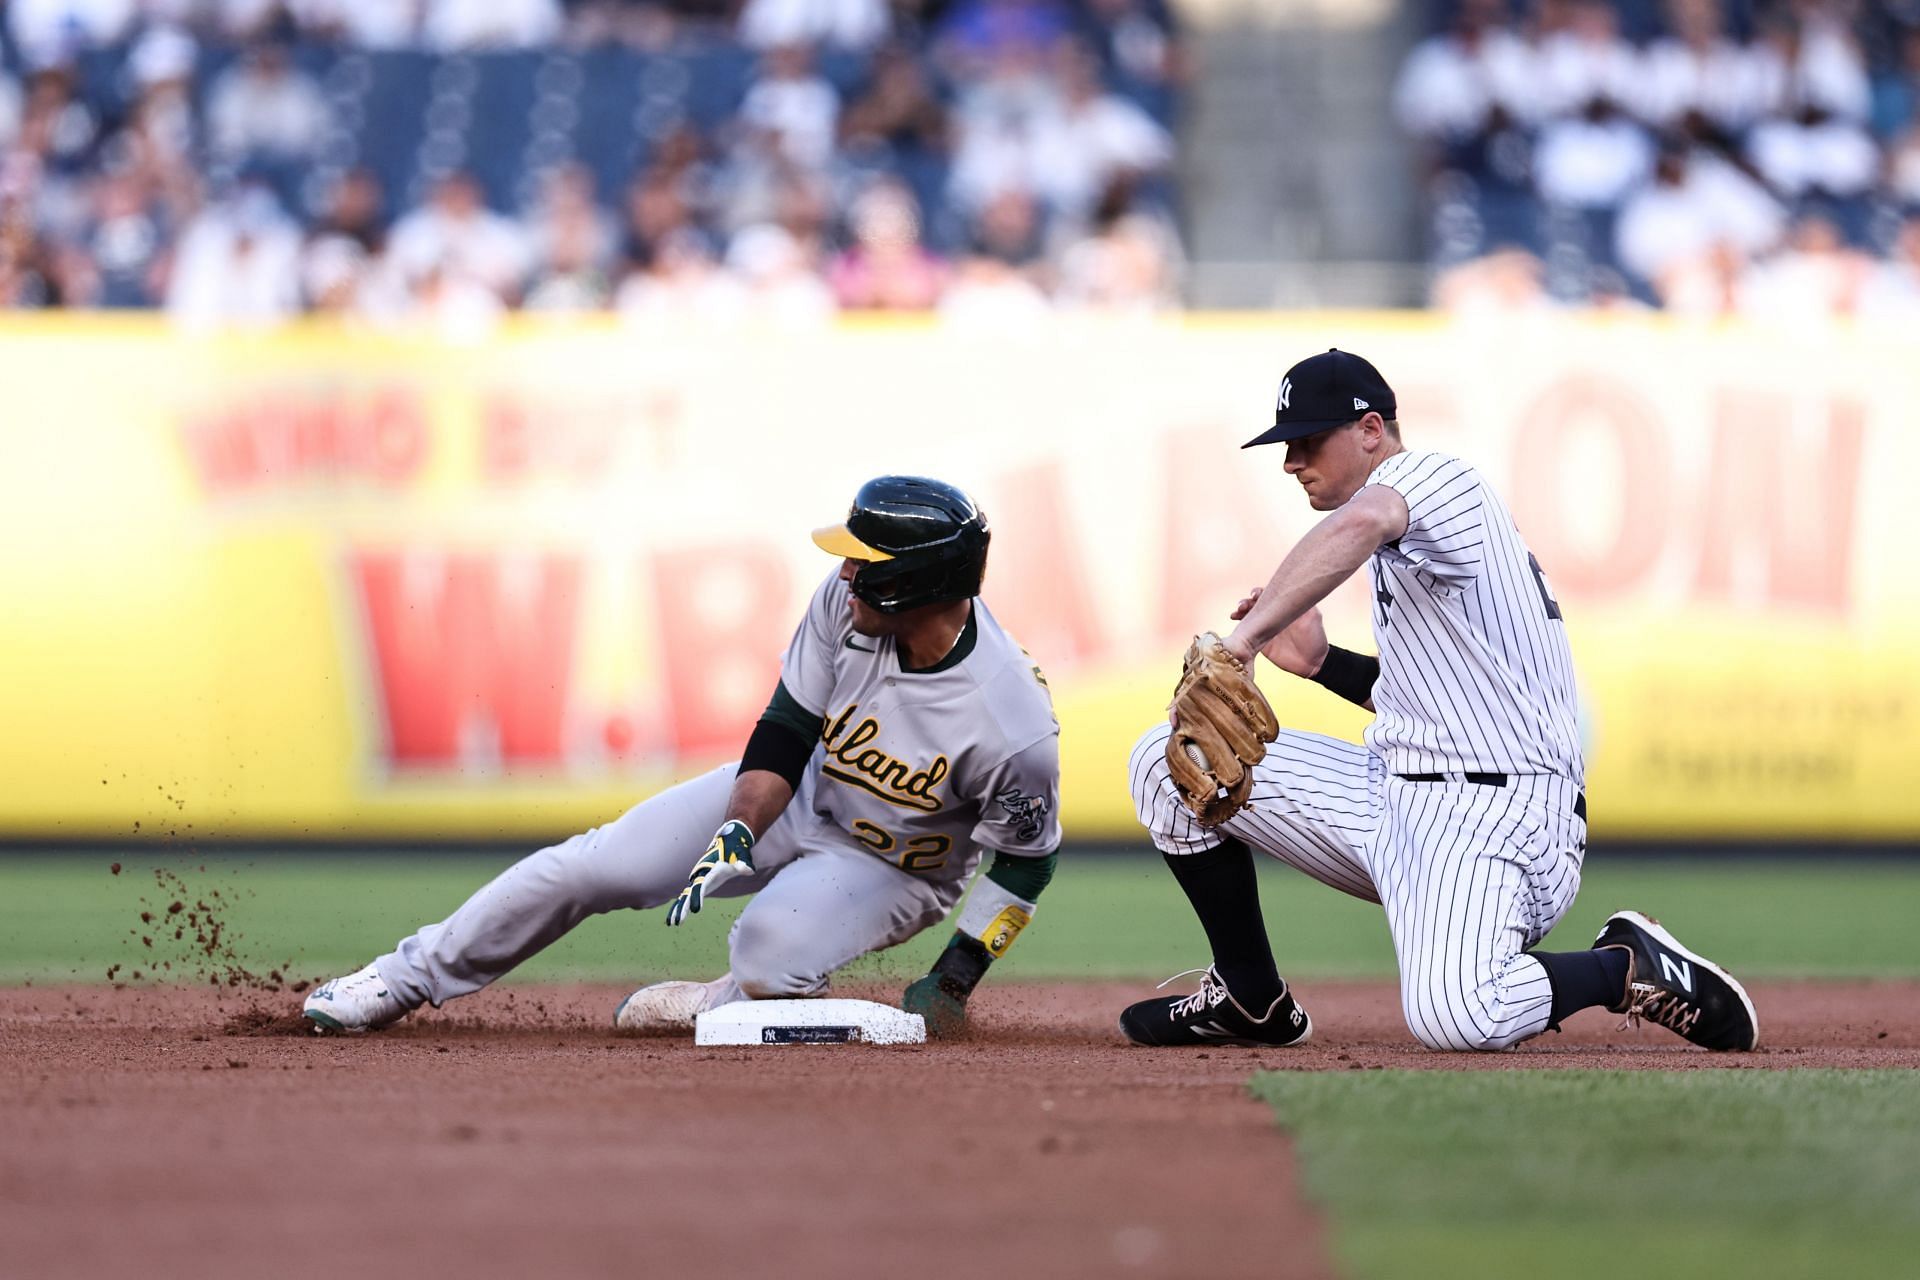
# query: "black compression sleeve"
{"type": "Point", "coordinates": [1349, 674]}
{"type": "Point", "coordinates": [778, 748]}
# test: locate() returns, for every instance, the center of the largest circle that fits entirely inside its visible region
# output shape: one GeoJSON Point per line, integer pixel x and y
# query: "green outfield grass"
{"type": "Point", "coordinates": [1606, 1174]}
{"type": "Point", "coordinates": [63, 917]}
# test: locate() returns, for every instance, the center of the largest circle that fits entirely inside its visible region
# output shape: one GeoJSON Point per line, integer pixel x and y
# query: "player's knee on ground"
{"type": "Point", "coordinates": [769, 957]}
{"type": "Point", "coordinates": [1454, 1013]}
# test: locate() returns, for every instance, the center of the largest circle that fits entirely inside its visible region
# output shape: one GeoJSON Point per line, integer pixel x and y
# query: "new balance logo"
{"type": "Point", "coordinates": [1679, 971]}
{"type": "Point", "coordinates": [1209, 1029]}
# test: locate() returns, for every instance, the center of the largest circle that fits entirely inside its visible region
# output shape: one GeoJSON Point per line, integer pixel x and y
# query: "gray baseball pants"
{"type": "Point", "coordinates": [818, 904]}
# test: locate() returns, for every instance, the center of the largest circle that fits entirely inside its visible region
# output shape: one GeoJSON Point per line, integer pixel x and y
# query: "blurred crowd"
{"type": "Point", "coordinates": [238, 162]}
{"type": "Point", "coordinates": [1708, 157]}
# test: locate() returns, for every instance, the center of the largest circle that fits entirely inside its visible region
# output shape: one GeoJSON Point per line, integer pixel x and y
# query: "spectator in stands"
{"type": "Point", "coordinates": [1138, 41]}
{"type": "Point", "coordinates": [1465, 85]}
{"type": "Point", "coordinates": [127, 242]}
{"type": "Point", "coordinates": [364, 24]}
{"type": "Point", "coordinates": [1697, 68]}
{"type": "Point", "coordinates": [490, 24]}
{"type": "Point", "coordinates": [28, 279]}
{"type": "Point", "coordinates": [1814, 154]}
{"type": "Point", "coordinates": [568, 210]}
{"type": "Point", "coordinates": [780, 276]}
{"type": "Point", "coordinates": [794, 106]}
{"type": "Point", "coordinates": [1826, 67]}
{"type": "Point", "coordinates": [57, 126]}
{"type": "Point", "coordinates": [572, 246]}
{"type": "Point", "coordinates": [1585, 60]}
{"type": "Point", "coordinates": [1003, 279]}
{"type": "Point", "coordinates": [886, 268]}
{"type": "Point", "coordinates": [654, 210]}
{"type": "Point", "coordinates": [1507, 281]}
{"type": "Point", "coordinates": [455, 239]}
{"type": "Point", "coordinates": [161, 128]}
{"type": "Point", "coordinates": [52, 32]}
{"type": "Point", "coordinates": [266, 109]}
{"type": "Point", "coordinates": [1697, 209]}
{"type": "Point", "coordinates": [355, 209]}
{"type": "Point", "coordinates": [1902, 177]}
{"type": "Point", "coordinates": [1092, 138]}
{"type": "Point", "coordinates": [1011, 232]}
{"type": "Point", "coordinates": [238, 264]}
{"type": "Point", "coordinates": [1593, 160]}
{"type": "Point", "coordinates": [451, 303]}
{"type": "Point", "coordinates": [1891, 290]}
{"type": "Point", "coordinates": [681, 285]}
{"type": "Point", "coordinates": [898, 120]}
{"type": "Point", "coordinates": [1127, 263]}
{"type": "Point", "coordinates": [1815, 277]}
{"type": "Point", "coordinates": [840, 24]}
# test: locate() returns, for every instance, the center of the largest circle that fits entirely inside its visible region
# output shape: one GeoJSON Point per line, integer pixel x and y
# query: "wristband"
{"type": "Point", "coordinates": [1349, 674]}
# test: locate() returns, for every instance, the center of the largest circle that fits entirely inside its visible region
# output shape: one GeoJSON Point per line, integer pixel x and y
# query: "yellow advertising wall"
{"type": "Point", "coordinates": [323, 583]}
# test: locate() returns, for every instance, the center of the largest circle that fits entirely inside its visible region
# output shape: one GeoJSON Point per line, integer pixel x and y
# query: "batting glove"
{"type": "Point", "coordinates": [730, 855]}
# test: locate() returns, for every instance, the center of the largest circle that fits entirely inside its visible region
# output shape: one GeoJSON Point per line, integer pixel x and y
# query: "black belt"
{"type": "Point", "coordinates": [1491, 780]}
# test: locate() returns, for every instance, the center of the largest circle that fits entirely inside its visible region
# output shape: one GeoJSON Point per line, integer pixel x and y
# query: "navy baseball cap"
{"type": "Point", "coordinates": [1327, 390]}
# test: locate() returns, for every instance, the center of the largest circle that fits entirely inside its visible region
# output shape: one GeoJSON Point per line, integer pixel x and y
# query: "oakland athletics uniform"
{"type": "Point", "coordinates": [1476, 684]}
{"type": "Point", "coordinates": [915, 774]}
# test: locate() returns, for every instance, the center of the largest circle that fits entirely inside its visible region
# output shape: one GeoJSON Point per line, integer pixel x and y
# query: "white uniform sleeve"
{"type": "Point", "coordinates": [1020, 802]}
{"type": "Point", "coordinates": [1446, 513]}
{"type": "Point", "coordinates": [807, 668]}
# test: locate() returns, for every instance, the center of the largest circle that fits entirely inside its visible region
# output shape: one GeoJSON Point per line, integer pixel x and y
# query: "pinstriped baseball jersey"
{"type": "Point", "coordinates": [1475, 671]}
{"type": "Point", "coordinates": [926, 768]}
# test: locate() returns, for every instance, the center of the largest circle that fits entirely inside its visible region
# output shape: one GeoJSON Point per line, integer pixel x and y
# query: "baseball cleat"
{"type": "Point", "coordinates": [672, 1006]}
{"type": "Point", "coordinates": [1683, 992]}
{"type": "Point", "coordinates": [360, 1001]}
{"type": "Point", "coordinates": [1212, 1016]}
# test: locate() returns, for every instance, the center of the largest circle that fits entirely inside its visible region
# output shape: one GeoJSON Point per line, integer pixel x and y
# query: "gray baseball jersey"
{"type": "Point", "coordinates": [917, 773]}
{"type": "Point", "coordinates": [926, 768]}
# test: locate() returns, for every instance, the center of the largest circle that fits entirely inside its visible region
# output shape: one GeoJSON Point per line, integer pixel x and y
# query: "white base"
{"type": "Point", "coordinates": [808, 1022]}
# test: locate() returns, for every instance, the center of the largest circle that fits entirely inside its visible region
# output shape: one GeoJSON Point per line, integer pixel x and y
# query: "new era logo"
{"type": "Point", "coordinates": [1358, 403]}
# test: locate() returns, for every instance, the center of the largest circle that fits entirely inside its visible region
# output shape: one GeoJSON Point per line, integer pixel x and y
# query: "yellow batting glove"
{"type": "Point", "coordinates": [730, 855]}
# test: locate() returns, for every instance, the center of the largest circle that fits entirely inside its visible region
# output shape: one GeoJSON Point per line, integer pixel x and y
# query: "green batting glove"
{"type": "Point", "coordinates": [730, 855]}
{"type": "Point", "coordinates": [940, 1002]}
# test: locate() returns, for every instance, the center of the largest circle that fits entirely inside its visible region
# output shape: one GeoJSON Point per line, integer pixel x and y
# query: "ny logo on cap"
{"type": "Point", "coordinates": [1358, 403]}
{"type": "Point", "coordinates": [1286, 394]}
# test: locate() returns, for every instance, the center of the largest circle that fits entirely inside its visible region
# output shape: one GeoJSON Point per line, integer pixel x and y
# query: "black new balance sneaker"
{"type": "Point", "coordinates": [1670, 985]}
{"type": "Point", "coordinates": [1212, 1016]}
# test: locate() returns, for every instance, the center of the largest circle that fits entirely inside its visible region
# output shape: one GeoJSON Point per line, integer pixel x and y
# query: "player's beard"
{"type": "Point", "coordinates": [869, 621]}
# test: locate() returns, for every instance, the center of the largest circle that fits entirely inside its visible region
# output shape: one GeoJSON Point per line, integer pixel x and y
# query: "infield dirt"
{"type": "Point", "coordinates": [162, 1131]}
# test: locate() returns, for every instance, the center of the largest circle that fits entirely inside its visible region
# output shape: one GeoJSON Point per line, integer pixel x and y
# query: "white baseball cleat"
{"type": "Point", "coordinates": [358, 1002]}
{"type": "Point", "coordinates": [672, 1006]}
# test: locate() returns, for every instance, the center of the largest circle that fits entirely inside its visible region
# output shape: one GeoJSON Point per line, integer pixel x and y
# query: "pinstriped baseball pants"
{"type": "Point", "coordinates": [1469, 875]}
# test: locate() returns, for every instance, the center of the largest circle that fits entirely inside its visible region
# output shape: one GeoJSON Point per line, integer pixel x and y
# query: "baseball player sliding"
{"type": "Point", "coordinates": [1463, 815]}
{"type": "Point", "coordinates": [908, 735]}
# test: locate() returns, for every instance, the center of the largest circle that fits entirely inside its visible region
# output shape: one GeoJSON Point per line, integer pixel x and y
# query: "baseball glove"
{"type": "Point", "coordinates": [1221, 724]}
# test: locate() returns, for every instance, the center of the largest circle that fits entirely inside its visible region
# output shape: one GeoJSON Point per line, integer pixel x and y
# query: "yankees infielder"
{"type": "Point", "coordinates": [908, 734]}
{"type": "Point", "coordinates": [1463, 814]}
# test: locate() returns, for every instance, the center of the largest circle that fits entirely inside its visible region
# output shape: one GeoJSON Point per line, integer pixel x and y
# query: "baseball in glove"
{"type": "Point", "coordinates": [1221, 725]}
